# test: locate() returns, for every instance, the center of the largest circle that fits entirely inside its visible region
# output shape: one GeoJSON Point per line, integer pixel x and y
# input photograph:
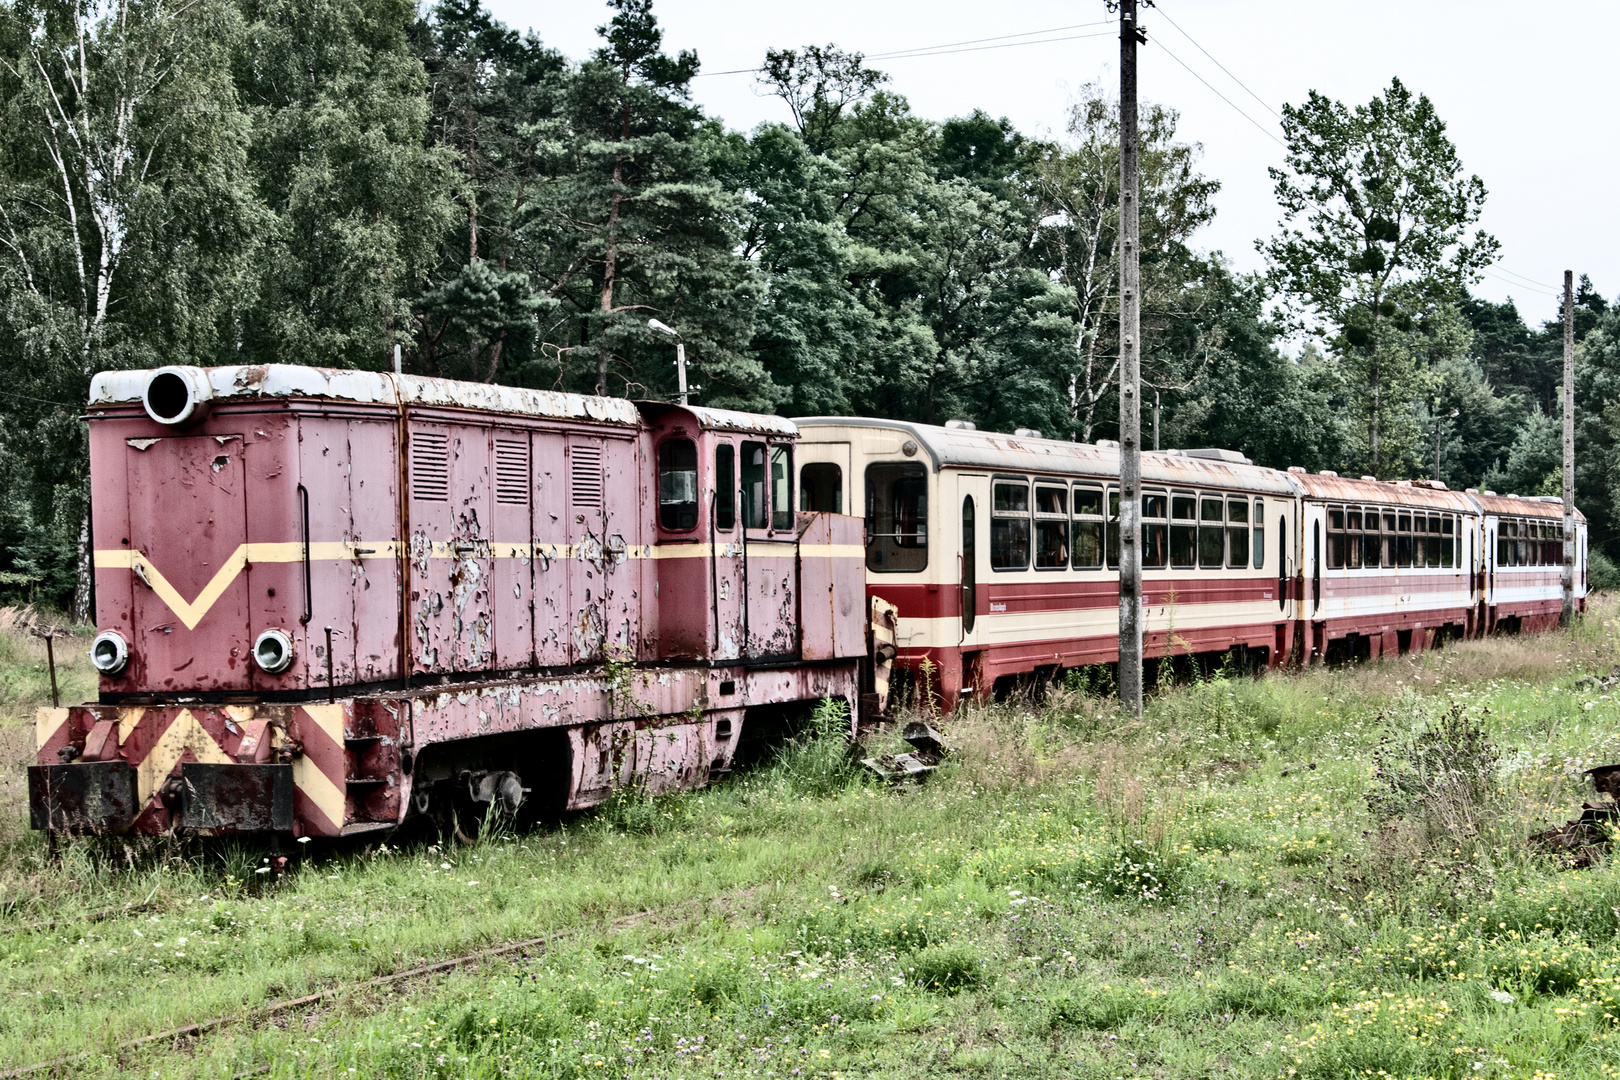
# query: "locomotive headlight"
{"type": "Point", "coordinates": [109, 652]}
{"type": "Point", "coordinates": [273, 651]}
{"type": "Point", "coordinates": [177, 395]}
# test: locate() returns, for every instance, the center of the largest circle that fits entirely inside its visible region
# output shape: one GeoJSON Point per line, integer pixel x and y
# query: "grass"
{"type": "Point", "coordinates": [1206, 892]}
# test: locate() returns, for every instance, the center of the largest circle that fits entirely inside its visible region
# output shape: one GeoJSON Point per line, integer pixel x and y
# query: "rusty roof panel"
{"type": "Point", "coordinates": [373, 388]}
{"type": "Point", "coordinates": [959, 447]}
{"type": "Point", "coordinates": [1416, 494]}
{"type": "Point", "coordinates": [1524, 506]}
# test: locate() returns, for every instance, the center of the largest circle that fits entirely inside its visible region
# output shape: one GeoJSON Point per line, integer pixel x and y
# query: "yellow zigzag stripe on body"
{"type": "Point", "coordinates": [191, 612]}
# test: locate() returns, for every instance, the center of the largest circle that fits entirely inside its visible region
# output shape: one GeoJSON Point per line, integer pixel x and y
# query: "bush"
{"type": "Point", "coordinates": [1435, 793]}
{"type": "Point", "coordinates": [1601, 572]}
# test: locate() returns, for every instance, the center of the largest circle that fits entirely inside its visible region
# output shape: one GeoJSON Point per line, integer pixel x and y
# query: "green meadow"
{"type": "Point", "coordinates": [1322, 874]}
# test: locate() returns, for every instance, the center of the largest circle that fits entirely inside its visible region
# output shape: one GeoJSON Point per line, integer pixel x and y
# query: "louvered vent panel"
{"type": "Point", "coordinates": [585, 468]}
{"type": "Point", "coordinates": [512, 472]}
{"type": "Point", "coordinates": [430, 466]}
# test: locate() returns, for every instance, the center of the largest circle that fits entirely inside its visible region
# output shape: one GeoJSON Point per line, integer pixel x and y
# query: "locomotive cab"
{"type": "Point", "coordinates": [742, 575]}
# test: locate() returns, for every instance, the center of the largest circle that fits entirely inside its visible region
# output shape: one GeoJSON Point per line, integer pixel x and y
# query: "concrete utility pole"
{"type": "Point", "coordinates": [1568, 611]}
{"type": "Point", "coordinates": [1130, 374]}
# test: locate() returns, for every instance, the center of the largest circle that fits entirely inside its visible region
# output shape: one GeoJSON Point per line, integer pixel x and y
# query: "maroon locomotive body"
{"type": "Point", "coordinates": [328, 600]}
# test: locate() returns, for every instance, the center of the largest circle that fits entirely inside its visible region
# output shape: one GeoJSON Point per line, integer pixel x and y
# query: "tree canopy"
{"type": "Point", "coordinates": [254, 181]}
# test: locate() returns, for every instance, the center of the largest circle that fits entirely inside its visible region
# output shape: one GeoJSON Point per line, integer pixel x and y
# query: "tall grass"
{"type": "Point", "coordinates": [1316, 874]}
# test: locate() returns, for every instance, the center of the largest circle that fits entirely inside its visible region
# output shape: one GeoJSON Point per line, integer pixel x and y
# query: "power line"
{"type": "Point", "coordinates": [1008, 45]}
{"type": "Point", "coordinates": [1263, 129]}
{"type": "Point", "coordinates": [1520, 285]}
{"type": "Point", "coordinates": [950, 48]}
{"type": "Point", "coordinates": [1160, 9]}
{"type": "Point", "coordinates": [1002, 37]}
{"type": "Point", "coordinates": [42, 401]}
{"type": "Point", "coordinates": [1526, 280]}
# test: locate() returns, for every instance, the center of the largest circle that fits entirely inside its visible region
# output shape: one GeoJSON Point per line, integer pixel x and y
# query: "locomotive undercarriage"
{"type": "Point", "coordinates": [368, 763]}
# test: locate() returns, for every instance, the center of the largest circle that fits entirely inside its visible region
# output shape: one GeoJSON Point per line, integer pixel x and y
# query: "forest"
{"type": "Point", "coordinates": [280, 181]}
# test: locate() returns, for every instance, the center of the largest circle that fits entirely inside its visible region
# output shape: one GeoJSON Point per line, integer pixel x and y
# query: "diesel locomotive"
{"type": "Point", "coordinates": [331, 600]}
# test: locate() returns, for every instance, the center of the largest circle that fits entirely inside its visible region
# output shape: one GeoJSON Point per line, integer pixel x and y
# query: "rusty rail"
{"type": "Point", "coordinates": [204, 1026]}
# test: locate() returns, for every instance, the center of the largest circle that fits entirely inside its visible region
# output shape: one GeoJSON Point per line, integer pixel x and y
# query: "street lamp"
{"type": "Point", "coordinates": [1438, 421]}
{"type": "Point", "coordinates": [680, 353]}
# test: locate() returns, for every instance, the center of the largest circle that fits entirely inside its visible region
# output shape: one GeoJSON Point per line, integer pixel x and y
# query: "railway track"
{"type": "Point", "coordinates": [195, 1031]}
{"type": "Point", "coordinates": [203, 1027]}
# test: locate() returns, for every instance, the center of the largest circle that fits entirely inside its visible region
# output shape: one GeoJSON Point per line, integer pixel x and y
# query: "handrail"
{"type": "Point", "coordinates": [309, 593]}
{"type": "Point", "coordinates": [742, 503]}
{"type": "Point", "coordinates": [714, 573]}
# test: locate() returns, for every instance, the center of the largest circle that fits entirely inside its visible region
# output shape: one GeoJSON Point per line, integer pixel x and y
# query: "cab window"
{"type": "Point", "coordinates": [781, 488]}
{"type": "Point", "coordinates": [725, 487]}
{"type": "Point", "coordinates": [755, 512]}
{"type": "Point", "coordinates": [677, 485]}
{"type": "Point", "coordinates": [896, 517]}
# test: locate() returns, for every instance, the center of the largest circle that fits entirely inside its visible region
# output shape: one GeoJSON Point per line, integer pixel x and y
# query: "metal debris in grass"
{"type": "Point", "coordinates": [930, 748]}
{"type": "Point", "coordinates": [1583, 841]}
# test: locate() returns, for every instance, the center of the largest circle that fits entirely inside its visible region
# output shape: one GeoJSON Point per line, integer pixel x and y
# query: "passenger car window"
{"type": "Point", "coordinates": [1155, 530]}
{"type": "Point", "coordinates": [677, 485]}
{"type": "Point", "coordinates": [1088, 528]}
{"type": "Point", "coordinates": [1335, 538]}
{"type": "Point", "coordinates": [1183, 531]}
{"type": "Point", "coordinates": [1112, 527]}
{"type": "Point", "coordinates": [1259, 534]}
{"type": "Point", "coordinates": [1371, 543]}
{"type": "Point", "coordinates": [1211, 534]}
{"type": "Point", "coordinates": [1009, 525]}
{"type": "Point", "coordinates": [1237, 534]}
{"type": "Point", "coordinates": [896, 517]}
{"type": "Point", "coordinates": [1051, 527]}
{"type": "Point", "coordinates": [821, 488]}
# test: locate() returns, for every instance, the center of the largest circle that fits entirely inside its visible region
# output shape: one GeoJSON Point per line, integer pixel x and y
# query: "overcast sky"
{"type": "Point", "coordinates": [1528, 93]}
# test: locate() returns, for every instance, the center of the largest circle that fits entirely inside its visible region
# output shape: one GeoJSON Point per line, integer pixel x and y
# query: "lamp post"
{"type": "Point", "coordinates": [1438, 422]}
{"type": "Point", "coordinates": [680, 354]}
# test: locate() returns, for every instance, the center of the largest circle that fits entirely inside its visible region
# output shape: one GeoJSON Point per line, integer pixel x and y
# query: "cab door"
{"type": "Point", "coordinates": [725, 552]}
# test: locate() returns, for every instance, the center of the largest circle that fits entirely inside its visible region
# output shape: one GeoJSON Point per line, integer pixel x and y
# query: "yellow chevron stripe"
{"type": "Point", "coordinates": [326, 795]}
{"type": "Point", "coordinates": [47, 722]}
{"type": "Point", "coordinates": [184, 733]}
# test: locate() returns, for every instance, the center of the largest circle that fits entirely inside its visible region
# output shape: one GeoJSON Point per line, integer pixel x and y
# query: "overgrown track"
{"type": "Point", "coordinates": [192, 1031]}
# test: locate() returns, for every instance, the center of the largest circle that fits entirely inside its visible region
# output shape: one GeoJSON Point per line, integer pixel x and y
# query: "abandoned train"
{"type": "Point", "coordinates": [329, 601]}
{"type": "Point", "coordinates": [1001, 553]}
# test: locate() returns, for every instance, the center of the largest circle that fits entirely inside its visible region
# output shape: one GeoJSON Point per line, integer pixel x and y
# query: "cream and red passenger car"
{"type": "Point", "coordinates": [999, 553]}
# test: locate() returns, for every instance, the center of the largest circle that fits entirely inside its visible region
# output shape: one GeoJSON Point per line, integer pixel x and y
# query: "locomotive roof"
{"type": "Point", "coordinates": [374, 388]}
{"type": "Point", "coordinates": [724, 419]}
{"type": "Point", "coordinates": [964, 448]}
